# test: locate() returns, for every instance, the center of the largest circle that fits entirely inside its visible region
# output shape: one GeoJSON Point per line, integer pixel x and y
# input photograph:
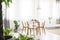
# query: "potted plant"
{"type": "Point", "coordinates": [23, 37]}
{"type": "Point", "coordinates": [6, 33]}
{"type": "Point", "coordinates": [16, 25]}
{"type": "Point", "coordinates": [1, 21]}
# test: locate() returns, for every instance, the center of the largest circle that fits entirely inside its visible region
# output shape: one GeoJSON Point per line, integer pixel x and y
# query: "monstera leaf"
{"type": "Point", "coordinates": [7, 2]}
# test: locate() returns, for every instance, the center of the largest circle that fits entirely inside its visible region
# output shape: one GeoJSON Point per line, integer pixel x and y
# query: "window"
{"type": "Point", "coordinates": [25, 10]}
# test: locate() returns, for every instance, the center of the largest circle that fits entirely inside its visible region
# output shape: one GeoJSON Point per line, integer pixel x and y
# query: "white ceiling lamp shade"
{"type": "Point", "coordinates": [36, 9]}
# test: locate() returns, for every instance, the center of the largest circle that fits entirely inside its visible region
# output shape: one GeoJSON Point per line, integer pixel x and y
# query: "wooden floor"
{"type": "Point", "coordinates": [54, 31]}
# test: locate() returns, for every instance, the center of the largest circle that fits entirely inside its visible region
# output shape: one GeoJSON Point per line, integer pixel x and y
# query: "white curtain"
{"type": "Point", "coordinates": [25, 10]}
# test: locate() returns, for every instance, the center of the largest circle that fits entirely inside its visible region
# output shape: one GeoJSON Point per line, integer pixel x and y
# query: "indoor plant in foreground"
{"type": "Point", "coordinates": [23, 37]}
{"type": "Point", "coordinates": [16, 25]}
{"type": "Point", "coordinates": [7, 32]}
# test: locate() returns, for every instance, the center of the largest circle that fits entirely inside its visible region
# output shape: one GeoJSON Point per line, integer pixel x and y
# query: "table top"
{"type": "Point", "coordinates": [52, 25]}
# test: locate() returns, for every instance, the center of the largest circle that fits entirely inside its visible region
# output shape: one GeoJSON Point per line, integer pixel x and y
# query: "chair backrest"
{"type": "Point", "coordinates": [27, 24]}
{"type": "Point", "coordinates": [36, 23]}
{"type": "Point", "coordinates": [24, 24]}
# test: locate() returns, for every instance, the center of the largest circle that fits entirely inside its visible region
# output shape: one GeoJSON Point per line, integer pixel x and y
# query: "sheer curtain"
{"type": "Point", "coordinates": [25, 10]}
{"type": "Point", "coordinates": [22, 10]}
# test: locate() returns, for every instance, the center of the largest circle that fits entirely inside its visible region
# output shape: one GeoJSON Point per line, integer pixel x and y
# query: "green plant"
{"type": "Point", "coordinates": [7, 2]}
{"type": "Point", "coordinates": [23, 37]}
{"type": "Point", "coordinates": [16, 24]}
{"type": "Point", "coordinates": [7, 32]}
{"type": "Point", "coordinates": [16, 38]}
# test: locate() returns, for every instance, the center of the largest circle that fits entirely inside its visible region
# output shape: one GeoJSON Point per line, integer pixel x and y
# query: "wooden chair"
{"type": "Point", "coordinates": [37, 27]}
{"type": "Point", "coordinates": [24, 27]}
{"type": "Point", "coordinates": [29, 29]}
{"type": "Point", "coordinates": [43, 27]}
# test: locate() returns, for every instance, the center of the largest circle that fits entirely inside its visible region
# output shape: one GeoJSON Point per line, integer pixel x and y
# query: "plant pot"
{"type": "Point", "coordinates": [8, 37]}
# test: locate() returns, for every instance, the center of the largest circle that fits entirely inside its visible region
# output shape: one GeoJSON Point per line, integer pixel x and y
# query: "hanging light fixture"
{"type": "Point", "coordinates": [34, 8]}
{"type": "Point", "coordinates": [38, 4]}
{"type": "Point", "coordinates": [38, 9]}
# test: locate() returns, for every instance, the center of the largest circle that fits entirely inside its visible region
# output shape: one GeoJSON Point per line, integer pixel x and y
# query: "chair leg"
{"type": "Point", "coordinates": [43, 30]}
{"type": "Point", "coordinates": [38, 31]}
{"type": "Point", "coordinates": [30, 31]}
{"type": "Point", "coordinates": [27, 31]}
